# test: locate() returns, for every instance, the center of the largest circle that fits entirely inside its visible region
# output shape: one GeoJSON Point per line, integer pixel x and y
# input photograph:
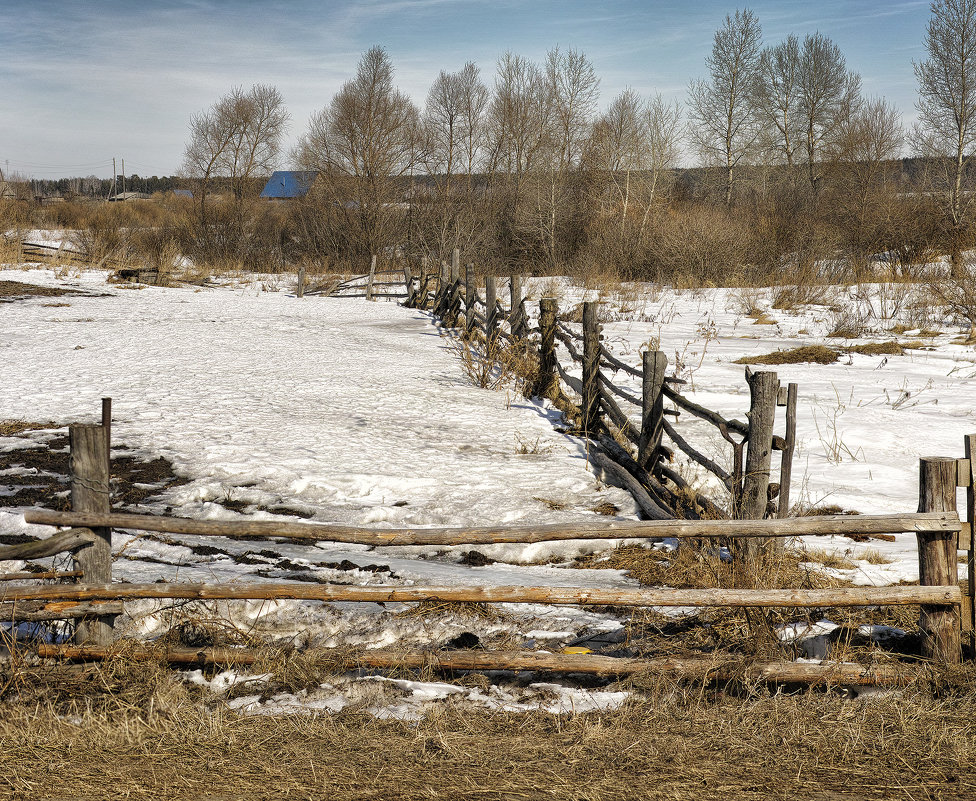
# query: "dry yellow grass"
{"type": "Point", "coordinates": [669, 743]}
{"type": "Point", "coordinates": [818, 354]}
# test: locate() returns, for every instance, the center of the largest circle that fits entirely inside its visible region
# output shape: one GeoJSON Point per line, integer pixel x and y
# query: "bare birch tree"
{"type": "Point", "coordinates": [724, 121]}
{"type": "Point", "coordinates": [634, 145]}
{"type": "Point", "coordinates": [777, 99]}
{"type": "Point", "coordinates": [946, 128]}
{"type": "Point", "coordinates": [829, 94]}
{"type": "Point", "coordinates": [454, 143]}
{"type": "Point", "coordinates": [238, 137]}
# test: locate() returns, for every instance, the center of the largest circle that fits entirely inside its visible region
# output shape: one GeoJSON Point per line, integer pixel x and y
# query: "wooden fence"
{"type": "Point", "coordinates": [638, 454]}
{"type": "Point", "coordinates": [634, 449]}
{"type": "Point", "coordinates": [93, 599]}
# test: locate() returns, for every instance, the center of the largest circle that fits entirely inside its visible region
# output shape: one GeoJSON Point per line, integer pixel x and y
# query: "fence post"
{"type": "Point", "coordinates": [548, 308]}
{"type": "Point", "coordinates": [443, 292]}
{"type": "Point", "coordinates": [590, 421]}
{"type": "Point", "coordinates": [371, 278]}
{"type": "Point", "coordinates": [655, 364]}
{"type": "Point", "coordinates": [421, 301]}
{"type": "Point", "coordinates": [491, 308]}
{"type": "Point", "coordinates": [937, 559]}
{"type": "Point", "coordinates": [107, 425]}
{"type": "Point", "coordinates": [763, 392]}
{"type": "Point", "coordinates": [516, 314]}
{"type": "Point", "coordinates": [454, 292]}
{"type": "Point", "coordinates": [470, 299]}
{"type": "Point", "coordinates": [786, 458]}
{"type": "Point", "coordinates": [969, 598]}
{"type": "Point", "coordinates": [408, 280]}
{"type": "Point", "coordinates": [300, 292]}
{"type": "Point", "coordinates": [90, 493]}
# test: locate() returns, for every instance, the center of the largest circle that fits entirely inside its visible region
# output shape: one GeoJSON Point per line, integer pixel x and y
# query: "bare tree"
{"type": "Point", "coordinates": [634, 146]}
{"type": "Point", "coordinates": [238, 137]}
{"type": "Point", "coordinates": [364, 142]}
{"type": "Point", "coordinates": [567, 102]}
{"type": "Point", "coordinates": [520, 116]}
{"type": "Point", "coordinates": [520, 141]}
{"type": "Point", "coordinates": [454, 143]}
{"type": "Point", "coordinates": [724, 122]}
{"type": "Point", "coordinates": [946, 128]}
{"type": "Point", "coordinates": [574, 90]}
{"type": "Point", "coordinates": [865, 198]}
{"type": "Point", "coordinates": [828, 95]}
{"type": "Point", "coordinates": [777, 99]}
{"type": "Point", "coordinates": [454, 122]}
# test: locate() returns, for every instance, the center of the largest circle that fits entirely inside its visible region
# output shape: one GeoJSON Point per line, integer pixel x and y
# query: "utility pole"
{"type": "Point", "coordinates": [114, 179]}
{"type": "Point", "coordinates": [123, 176]}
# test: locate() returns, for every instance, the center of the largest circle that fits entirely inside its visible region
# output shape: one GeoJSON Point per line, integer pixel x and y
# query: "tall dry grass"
{"type": "Point", "coordinates": [669, 741]}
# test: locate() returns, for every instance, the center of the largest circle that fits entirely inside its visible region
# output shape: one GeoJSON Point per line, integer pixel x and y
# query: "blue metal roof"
{"type": "Point", "coordinates": [288, 183]}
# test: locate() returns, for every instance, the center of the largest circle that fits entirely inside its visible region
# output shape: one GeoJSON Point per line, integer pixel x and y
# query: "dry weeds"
{"type": "Point", "coordinates": [669, 742]}
{"type": "Point", "coordinates": [818, 354]}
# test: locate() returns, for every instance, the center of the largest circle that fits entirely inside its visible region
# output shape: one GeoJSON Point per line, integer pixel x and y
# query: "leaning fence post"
{"type": "Point", "coordinates": [655, 364]}
{"type": "Point", "coordinates": [491, 308]}
{"type": "Point", "coordinates": [937, 559]}
{"type": "Point", "coordinates": [454, 291]}
{"type": "Point", "coordinates": [516, 315]}
{"type": "Point", "coordinates": [408, 281]}
{"type": "Point", "coordinates": [90, 493]}
{"type": "Point", "coordinates": [969, 597]}
{"type": "Point", "coordinates": [590, 421]}
{"type": "Point", "coordinates": [422, 299]}
{"type": "Point", "coordinates": [443, 291]}
{"type": "Point", "coordinates": [548, 308]}
{"type": "Point", "coordinates": [786, 458]}
{"type": "Point", "coordinates": [470, 299]}
{"type": "Point", "coordinates": [763, 392]}
{"type": "Point", "coordinates": [371, 278]}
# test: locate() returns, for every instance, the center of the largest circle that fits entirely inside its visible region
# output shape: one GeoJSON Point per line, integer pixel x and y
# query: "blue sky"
{"type": "Point", "coordinates": [81, 82]}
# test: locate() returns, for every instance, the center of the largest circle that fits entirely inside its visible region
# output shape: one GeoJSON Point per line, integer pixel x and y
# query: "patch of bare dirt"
{"type": "Point", "coordinates": [11, 291]}
{"type": "Point", "coordinates": [38, 475]}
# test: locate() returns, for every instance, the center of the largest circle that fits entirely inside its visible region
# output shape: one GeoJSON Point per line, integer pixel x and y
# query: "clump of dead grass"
{"type": "Point", "coordinates": [820, 510]}
{"type": "Point", "coordinates": [11, 428]}
{"type": "Point", "coordinates": [696, 746]}
{"type": "Point", "coordinates": [464, 609]}
{"type": "Point", "coordinates": [817, 354]}
{"type": "Point", "coordinates": [495, 363]}
{"type": "Point", "coordinates": [874, 557]}
{"type": "Point", "coordinates": [688, 567]}
{"type": "Point", "coordinates": [878, 349]}
{"type": "Point", "coordinates": [829, 559]}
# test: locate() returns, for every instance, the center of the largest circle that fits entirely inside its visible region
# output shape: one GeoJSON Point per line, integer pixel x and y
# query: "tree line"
{"type": "Point", "coordinates": [777, 160]}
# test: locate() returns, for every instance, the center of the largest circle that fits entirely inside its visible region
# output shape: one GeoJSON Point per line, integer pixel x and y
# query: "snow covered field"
{"type": "Point", "coordinates": [360, 413]}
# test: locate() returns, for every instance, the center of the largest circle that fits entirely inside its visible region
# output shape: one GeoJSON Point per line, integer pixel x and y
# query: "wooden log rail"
{"type": "Point", "coordinates": [715, 670]}
{"type": "Point", "coordinates": [935, 596]}
{"type": "Point", "coordinates": [827, 525]}
{"type": "Point", "coordinates": [63, 542]}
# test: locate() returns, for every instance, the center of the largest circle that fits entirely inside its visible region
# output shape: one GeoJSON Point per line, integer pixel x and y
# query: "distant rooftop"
{"type": "Point", "coordinates": [289, 183]}
{"type": "Point", "coordinates": [123, 196]}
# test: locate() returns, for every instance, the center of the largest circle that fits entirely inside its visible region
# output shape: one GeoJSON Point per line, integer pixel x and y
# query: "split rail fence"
{"type": "Point", "coordinates": [93, 599]}
{"type": "Point", "coordinates": [633, 442]}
